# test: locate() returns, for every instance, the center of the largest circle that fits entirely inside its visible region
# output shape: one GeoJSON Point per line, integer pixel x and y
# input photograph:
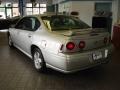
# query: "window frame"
{"type": "Point", "coordinates": [22, 20]}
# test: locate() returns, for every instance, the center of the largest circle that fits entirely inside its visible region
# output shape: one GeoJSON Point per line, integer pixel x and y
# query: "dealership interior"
{"type": "Point", "coordinates": [17, 70]}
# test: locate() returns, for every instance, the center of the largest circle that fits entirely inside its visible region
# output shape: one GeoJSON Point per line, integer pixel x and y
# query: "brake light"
{"type": "Point", "coordinates": [105, 40]}
{"type": "Point", "coordinates": [81, 44]}
{"type": "Point", "coordinates": [70, 45]}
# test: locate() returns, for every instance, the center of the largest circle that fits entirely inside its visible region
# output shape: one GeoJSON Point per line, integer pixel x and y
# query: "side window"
{"type": "Point", "coordinates": [20, 24]}
{"type": "Point", "coordinates": [28, 23]}
{"type": "Point", "coordinates": [35, 23]}
{"type": "Point", "coordinates": [24, 24]}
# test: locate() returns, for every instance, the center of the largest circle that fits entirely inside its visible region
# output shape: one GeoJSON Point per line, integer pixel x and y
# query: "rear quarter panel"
{"type": "Point", "coordinates": [48, 42]}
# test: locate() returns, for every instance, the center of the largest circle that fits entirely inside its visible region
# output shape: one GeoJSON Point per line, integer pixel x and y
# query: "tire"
{"type": "Point", "coordinates": [10, 41]}
{"type": "Point", "coordinates": [38, 59]}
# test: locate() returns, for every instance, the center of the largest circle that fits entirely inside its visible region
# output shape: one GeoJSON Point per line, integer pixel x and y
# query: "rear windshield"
{"type": "Point", "coordinates": [62, 22]}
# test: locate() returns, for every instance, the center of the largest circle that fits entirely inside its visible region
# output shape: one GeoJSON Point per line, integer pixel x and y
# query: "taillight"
{"type": "Point", "coordinates": [105, 40]}
{"type": "Point", "coordinates": [70, 45]}
{"type": "Point", "coordinates": [81, 44]}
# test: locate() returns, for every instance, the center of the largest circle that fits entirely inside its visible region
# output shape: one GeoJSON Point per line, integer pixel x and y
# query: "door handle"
{"type": "Point", "coordinates": [29, 36]}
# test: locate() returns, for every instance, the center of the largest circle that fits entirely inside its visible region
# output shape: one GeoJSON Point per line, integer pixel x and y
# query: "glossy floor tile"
{"type": "Point", "coordinates": [17, 73]}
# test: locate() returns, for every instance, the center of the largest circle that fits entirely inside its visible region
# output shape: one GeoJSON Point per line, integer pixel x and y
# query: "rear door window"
{"type": "Point", "coordinates": [28, 23]}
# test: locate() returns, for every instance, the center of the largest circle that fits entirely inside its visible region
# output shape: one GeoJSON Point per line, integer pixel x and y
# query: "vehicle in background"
{"type": "Point", "coordinates": [6, 23]}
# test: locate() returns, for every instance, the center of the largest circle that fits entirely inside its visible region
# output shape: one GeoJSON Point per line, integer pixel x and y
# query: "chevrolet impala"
{"type": "Point", "coordinates": [61, 42]}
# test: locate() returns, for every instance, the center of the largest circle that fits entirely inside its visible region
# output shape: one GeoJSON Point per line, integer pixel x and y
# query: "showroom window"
{"type": "Point", "coordinates": [2, 11]}
{"type": "Point", "coordinates": [15, 9]}
{"type": "Point", "coordinates": [8, 10]}
{"type": "Point", "coordinates": [35, 9]}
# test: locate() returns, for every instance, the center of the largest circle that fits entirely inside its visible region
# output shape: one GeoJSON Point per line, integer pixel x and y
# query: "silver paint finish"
{"type": "Point", "coordinates": [49, 42]}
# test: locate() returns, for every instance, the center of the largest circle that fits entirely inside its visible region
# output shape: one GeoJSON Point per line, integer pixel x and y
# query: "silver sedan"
{"type": "Point", "coordinates": [61, 42]}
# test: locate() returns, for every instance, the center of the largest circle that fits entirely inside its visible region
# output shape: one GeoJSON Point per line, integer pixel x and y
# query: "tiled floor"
{"type": "Point", "coordinates": [17, 73]}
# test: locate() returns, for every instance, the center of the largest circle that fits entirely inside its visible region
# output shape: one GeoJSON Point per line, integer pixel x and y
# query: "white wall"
{"type": "Point", "coordinates": [65, 7]}
{"type": "Point", "coordinates": [116, 13]}
{"type": "Point", "coordinates": [57, 1]}
{"type": "Point", "coordinates": [85, 9]}
{"type": "Point", "coordinates": [116, 9]}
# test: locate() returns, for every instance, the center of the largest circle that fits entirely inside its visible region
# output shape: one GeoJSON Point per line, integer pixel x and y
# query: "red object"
{"type": "Point", "coordinates": [70, 45]}
{"type": "Point", "coordinates": [81, 44]}
{"type": "Point", "coordinates": [116, 36]}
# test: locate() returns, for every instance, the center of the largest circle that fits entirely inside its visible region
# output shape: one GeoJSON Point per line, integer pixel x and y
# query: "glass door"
{"type": "Point", "coordinates": [8, 12]}
{"type": "Point", "coordinates": [2, 11]}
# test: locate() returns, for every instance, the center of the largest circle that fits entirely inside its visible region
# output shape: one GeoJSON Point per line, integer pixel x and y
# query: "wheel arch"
{"type": "Point", "coordinates": [33, 47]}
{"type": "Point", "coordinates": [43, 61]}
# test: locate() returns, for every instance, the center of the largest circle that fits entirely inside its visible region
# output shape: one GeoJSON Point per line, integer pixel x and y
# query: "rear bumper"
{"type": "Point", "coordinates": [68, 63]}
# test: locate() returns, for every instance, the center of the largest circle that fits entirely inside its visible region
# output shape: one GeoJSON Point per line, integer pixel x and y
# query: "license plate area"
{"type": "Point", "coordinates": [97, 56]}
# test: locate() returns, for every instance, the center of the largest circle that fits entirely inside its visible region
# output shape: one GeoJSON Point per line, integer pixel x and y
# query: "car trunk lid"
{"type": "Point", "coordinates": [93, 38]}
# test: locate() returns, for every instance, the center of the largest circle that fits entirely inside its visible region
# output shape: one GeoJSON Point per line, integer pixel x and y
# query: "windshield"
{"type": "Point", "coordinates": [62, 22]}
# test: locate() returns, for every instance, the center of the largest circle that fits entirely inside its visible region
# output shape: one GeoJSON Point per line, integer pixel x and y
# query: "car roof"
{"type": "Point", "coordinates": [46, 14]}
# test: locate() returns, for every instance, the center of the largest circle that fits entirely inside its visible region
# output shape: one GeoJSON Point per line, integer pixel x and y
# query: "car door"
{"type": "Point", "coordinates": [13, 34]}
{"type": "Point", "coordinates": [14, 31]}
{"type": "Point", "coordinates": [25, 35]}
